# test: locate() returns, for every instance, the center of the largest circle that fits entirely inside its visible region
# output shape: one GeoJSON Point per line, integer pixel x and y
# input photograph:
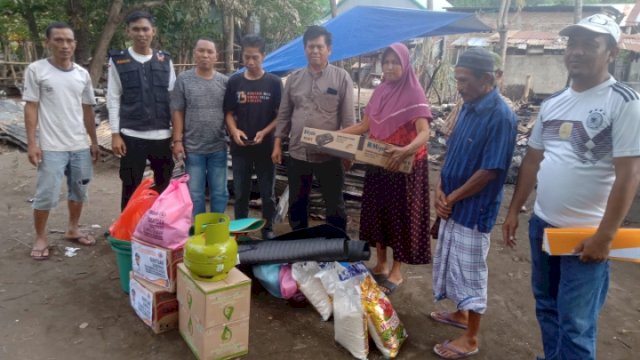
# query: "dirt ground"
{"type": "Point", "coordinates": [73, 308]}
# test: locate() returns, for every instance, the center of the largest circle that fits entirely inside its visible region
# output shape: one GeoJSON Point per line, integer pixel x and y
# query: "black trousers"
{"type": "Point", "coordinates": [330, 175]}
{"type": "Point", "coordinates": [132, 165]}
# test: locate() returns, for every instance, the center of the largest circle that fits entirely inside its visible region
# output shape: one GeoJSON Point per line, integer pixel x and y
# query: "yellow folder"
{"type": "Point", "coordinates": [562, 241]}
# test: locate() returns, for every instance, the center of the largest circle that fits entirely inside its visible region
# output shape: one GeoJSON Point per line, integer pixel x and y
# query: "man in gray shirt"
{"type": "Point", "coordinates": [198, 128]}
{"type": "Point", "coordinates": [318, 96]}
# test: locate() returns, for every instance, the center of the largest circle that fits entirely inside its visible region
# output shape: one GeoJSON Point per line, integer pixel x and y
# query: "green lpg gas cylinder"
{"type": "Point", "coordinates": [211, 252]}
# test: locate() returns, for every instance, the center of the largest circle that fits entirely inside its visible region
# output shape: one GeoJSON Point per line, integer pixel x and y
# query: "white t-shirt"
{"type": "Point", "coordinates": [60, 95]}
{"type": "Point", "coordinates": [581, 133]}
{"type": "Point", "coordinates": [114, 91]}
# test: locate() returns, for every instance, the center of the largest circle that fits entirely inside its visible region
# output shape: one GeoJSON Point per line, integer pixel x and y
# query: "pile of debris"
{"type": "Point", "coordinates": [442, 126]}
{"type": "Point", "coordinates": [12, 123]}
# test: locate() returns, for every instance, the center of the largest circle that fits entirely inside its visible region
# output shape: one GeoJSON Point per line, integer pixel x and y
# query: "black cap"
{"type": "Point", "coordinates": [477, 59]}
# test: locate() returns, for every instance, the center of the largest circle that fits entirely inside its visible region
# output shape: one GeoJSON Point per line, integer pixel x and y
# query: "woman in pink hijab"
{"type": "Point", "coordinates": [395, 205]}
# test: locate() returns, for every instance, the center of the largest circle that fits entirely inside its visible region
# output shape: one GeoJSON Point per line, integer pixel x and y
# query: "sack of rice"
{"type": "Point", "coordinates": [304, 274]}
{"type": "Point", "coordinates": [385, 327]}
{"type": "Point", "coordinates": [349, 319]}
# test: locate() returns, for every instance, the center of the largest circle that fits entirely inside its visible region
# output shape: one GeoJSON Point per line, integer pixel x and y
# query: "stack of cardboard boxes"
{"type": "Point", "coordinates": [214, 316]}
{"type": "Point", "coordinates": [152, 285]}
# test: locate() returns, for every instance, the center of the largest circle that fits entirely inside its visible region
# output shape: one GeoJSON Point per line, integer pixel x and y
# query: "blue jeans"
{"type": "Point", "coordinates": [208, 169]}
{"type": "Point", "coordinates": [569, 295]}
{"type": "Point", "coordinates": [244, 164]}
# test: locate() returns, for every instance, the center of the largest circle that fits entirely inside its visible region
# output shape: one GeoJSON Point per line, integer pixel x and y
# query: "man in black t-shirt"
{"type": "Point", "coordinates": [251, 106]}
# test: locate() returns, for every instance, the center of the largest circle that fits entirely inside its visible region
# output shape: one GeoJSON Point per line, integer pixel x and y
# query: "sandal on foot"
{"type": "Point", "coordinates": [378, 277]}
{"type": "Point", "coordinates": [83, 239]}
{"type": "Point", "coordinates": [388, 287]}
{"type": "Point", "coordinates": [40, 254]}
{"type": "Point", "coordinates": [443, 317]}
{"type": "Point", "coordinates": [457, 354]}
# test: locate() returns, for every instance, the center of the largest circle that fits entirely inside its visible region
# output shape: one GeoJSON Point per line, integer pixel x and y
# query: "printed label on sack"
{"type": "Point", "coordinates": [141, 301]}
{"type": "Point", "coordinates": [149, 262]}
{"type": "Point", "coordinates": [155, 224]}
{"type": "Point", "coordinates": [352, 271]}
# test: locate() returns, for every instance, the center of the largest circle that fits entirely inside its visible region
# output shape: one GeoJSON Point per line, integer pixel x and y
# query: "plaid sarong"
{"type": "Point", "coordinates": [460, 270]}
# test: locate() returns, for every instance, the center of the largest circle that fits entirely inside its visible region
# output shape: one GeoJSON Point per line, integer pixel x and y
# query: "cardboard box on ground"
{"type": "Point", "coordinates": [155, 264]}
{"type": "Point", "coordinates": [351, 147]}
{"type": "Point", "coordinates": [214, 316]}
{"type": "Point", "coordinates": [156, 306]}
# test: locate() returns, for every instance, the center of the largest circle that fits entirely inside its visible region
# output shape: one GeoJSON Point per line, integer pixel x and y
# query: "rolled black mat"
{"type": "Point", "coordinates": [290, 251]}
{"type": "Point", "coordinates": [326, 231]}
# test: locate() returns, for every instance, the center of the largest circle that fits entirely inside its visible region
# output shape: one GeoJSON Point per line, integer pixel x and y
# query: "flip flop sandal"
{"type": "Point", "coordinates": [442, 317]}
{"type": "Point", "coordinates": [90, 240]}
{"type": "Point", "coordinates": [388, 287]}
{"type": "Point", "coordinates": [41, 253]}
{"type": "Point", "coordinates": [457, 353]}
{"type": "Point", "coordinates": [378, 277]}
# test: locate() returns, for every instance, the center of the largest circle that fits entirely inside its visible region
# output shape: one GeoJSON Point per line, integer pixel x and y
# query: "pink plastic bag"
{"type": "Point", "coordinates": [168, 221]}
{"type": "Point", "coordinates": [288, 286]}
{"type": "Point", "coordinates": [140, 202]}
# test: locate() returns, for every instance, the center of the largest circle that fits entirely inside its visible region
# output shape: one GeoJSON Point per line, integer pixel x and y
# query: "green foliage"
{"type": "Point", "coordinates": [25, 20]}
{"type": "Point", "coordinates": [181, 23]}
{"type": "Point", "coordinates": [291, 19]}
{"type": "Point", "coordinates": [13, 15]}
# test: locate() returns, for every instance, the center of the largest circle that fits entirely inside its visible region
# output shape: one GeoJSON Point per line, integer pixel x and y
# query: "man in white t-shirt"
{"type": "Point", "coordinates": [59, 99]}
{"type": "Point", "coordinates": [585, 150]}
{"type": "Point", "coordinates": [139, 81]}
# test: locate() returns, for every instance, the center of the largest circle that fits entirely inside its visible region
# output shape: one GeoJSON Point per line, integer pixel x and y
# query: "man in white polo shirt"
{"type": "Point", "coordinates": [585, 151]}
{"type": "Point", "coordinates": [59, 99]}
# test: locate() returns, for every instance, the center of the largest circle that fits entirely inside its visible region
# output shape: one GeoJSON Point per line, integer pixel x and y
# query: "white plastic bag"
{"type": "Point", "coordinates": [303, 273]}
{"type": "Point", "coordinates": [350, 321]}
{"type": "Point", "coordinates": [328, 275]}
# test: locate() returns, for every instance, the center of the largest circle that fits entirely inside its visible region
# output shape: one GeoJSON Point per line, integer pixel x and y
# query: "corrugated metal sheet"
{"type": "Point", "coordinates": [630, 42]}
{"type": "Point", "coordinates": [518, 39]}
{"type": "Point", "coordinates": [471, 42]}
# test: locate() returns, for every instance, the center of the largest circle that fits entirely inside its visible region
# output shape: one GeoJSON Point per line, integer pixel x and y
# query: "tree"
{"type": "Point", "coordinates": [36, 14]}
{"type": "Point", "coordinates": [76, 9]}
{"type": "Point", "coordinates": [334, 8]}
{"type": "Point", "coordinates": [290, 21]}
{"type": "Point", "coordinates": [577, 14]}
{"type": "Point", "coordinates": [281, 20]}
{"type": "Point", "coordinates": [181, 23]}
{"type": "Point", "coordinates": [115, 16]}
{"type": "Point", "coordinates": [502, 27]}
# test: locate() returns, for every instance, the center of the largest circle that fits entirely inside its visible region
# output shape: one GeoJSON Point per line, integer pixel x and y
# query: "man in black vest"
{"type": "Point", "coordinates": [139, 82]}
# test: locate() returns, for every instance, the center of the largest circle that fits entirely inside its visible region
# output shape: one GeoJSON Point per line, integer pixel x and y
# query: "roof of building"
{"type": "Point", "coordinates": [630, 42]}
{"type": "Point", "coordinates": [614, 9]}
{"type": "Point", "coordinates": [516, 39]}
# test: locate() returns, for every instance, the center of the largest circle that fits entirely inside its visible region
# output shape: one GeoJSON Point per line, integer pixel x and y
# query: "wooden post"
{"type": "Point", "coordinates": [527, 89]}
{"type": "Point", "coordinates": [229, 31]}
{"type": "Point", "coordinates": [359, 80]}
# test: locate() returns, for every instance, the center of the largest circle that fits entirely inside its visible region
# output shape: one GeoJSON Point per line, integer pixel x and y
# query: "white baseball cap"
{"type": "Point", "coordinates": [598, 23]}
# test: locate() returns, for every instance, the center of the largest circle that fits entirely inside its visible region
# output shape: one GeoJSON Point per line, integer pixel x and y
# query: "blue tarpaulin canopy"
{"type": "Point", "coordinates": [364, 29]}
